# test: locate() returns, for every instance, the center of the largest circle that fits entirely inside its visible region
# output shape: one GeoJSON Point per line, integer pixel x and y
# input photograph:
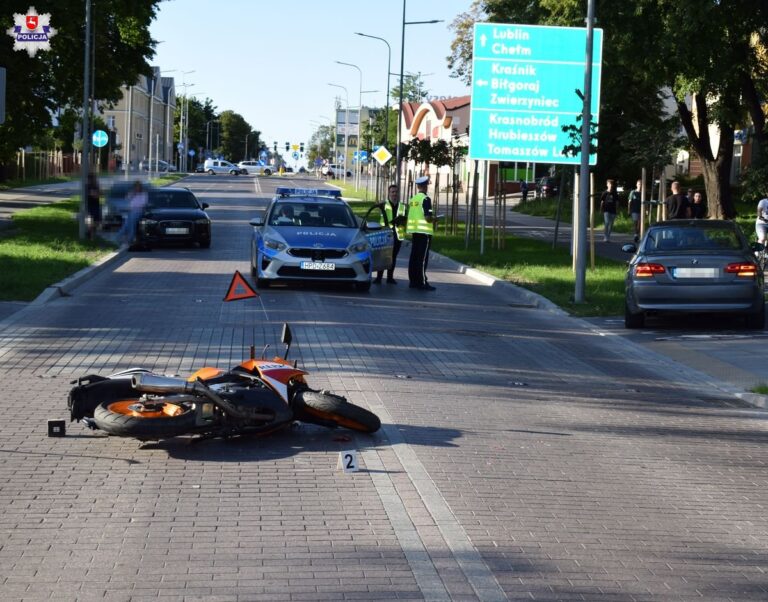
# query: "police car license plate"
{"type": "Point", "coordinates": [177, 230]}
{"type": "Point", "coordinates": [317, 265]}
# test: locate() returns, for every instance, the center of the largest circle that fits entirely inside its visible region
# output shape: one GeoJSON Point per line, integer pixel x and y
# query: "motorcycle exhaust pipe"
{"type": "Point", "coordinates": [153, 383]}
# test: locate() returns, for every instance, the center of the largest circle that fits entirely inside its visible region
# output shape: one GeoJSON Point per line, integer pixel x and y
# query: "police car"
{"type": "Point", "coordinates": [313, 235]}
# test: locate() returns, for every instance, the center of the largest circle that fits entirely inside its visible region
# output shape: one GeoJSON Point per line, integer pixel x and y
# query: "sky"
{"type": "Point", "coordinates": [271, 62]}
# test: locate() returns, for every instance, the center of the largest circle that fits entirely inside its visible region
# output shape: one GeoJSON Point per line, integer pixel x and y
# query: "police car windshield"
{"type": "Point", "coordinates": [312, 214]}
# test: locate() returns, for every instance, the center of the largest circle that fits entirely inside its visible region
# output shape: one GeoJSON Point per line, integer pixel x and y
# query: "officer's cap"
{"type": "Point", "coordinates": [422, 180]}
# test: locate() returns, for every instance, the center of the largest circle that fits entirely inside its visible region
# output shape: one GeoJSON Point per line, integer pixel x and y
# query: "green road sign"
{"type": "Point", "coordinates": [524, 90]}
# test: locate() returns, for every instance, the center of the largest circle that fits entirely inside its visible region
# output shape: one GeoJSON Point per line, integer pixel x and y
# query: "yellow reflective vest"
{"type": "Point", "coordinates": [417, 222]}
{"type": "Point", "coordinates": [399, 230]}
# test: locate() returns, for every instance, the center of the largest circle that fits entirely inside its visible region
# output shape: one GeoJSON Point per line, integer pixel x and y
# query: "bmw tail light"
{"type": "Point", "coordinates": [742, 270]}
{"type": "Point", "coordinates": [648, 270]}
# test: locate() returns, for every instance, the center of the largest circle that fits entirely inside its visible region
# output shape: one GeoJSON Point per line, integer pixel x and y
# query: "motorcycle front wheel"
{"type": "Point", "coordinates": [134, 418]}
{"type": "Point", "coordinates": [324, 408]}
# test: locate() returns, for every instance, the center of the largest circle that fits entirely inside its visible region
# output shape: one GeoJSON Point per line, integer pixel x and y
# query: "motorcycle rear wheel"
{"type": "Point", "coordinates": [322, 408]}
{"type": "Point", "coordinates": [129, 418]}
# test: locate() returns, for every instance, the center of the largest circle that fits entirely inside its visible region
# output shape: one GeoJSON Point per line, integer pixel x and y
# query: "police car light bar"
{"type": "Point", "coordinates": [285, 191]}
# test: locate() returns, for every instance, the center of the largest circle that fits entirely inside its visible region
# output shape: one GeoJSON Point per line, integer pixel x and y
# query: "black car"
{"type": "Point", "coordinates": [547, 187]}
{"type": "Point", "coordinates": [174, 215]}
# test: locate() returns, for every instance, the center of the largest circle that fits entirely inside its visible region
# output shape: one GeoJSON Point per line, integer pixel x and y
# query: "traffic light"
{"type": "Point", "coordinates": [275, 146]}
{"type": "Point", "coordinates": [301, 147]}
{"type": "Point", "coordinates": [287, 146]}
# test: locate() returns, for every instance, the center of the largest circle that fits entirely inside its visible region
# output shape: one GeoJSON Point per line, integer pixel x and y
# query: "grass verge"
{"type": "Point", "coordinates": [43, 249]}
{"type": "Point", "coordinates": [760, 389]}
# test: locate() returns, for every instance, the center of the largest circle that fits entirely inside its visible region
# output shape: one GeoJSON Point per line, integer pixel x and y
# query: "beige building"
{"type": "Point", "coordinates": [135, 120]}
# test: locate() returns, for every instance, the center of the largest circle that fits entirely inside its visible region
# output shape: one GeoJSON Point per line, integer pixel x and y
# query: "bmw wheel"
{"type": "Point", "coordinates": [633, 320]}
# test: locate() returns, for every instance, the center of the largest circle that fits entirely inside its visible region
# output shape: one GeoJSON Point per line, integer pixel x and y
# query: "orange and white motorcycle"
{"type": "Point", "coordinates": [258, 396]}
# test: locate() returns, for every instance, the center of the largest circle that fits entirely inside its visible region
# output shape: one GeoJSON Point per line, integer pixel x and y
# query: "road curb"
{"type": "Point", "coordinates": [66, 286]}
{"type": "Point", "coordinates": [522, 295]}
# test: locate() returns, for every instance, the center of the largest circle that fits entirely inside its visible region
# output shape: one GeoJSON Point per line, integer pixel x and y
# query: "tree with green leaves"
{"type": "Point", "coordinates": [413, 89]}
{"type": "Point", "coordinates": [705, 53]}
{"type": "Point", "coordinates": [39, 86]}
{"type": "Point", "coordinates": [234, 132]}
{"type": "Point", "coordinates": [320, 144]}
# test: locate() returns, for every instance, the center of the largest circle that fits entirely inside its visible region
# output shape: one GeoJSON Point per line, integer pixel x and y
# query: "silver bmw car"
{"type": "Point", "coordinates": [694, 266]}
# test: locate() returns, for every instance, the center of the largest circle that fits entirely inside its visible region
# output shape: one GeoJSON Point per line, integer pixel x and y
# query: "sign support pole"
{"type": "Point", "coordinates": [586, 118]}
{"type": "Point", "coordinates": [86, 134]}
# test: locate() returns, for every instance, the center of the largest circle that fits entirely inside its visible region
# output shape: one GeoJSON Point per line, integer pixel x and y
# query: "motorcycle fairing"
{"type": "Point", "coordinates": [276, 369]}
{"type": "Point", "coordinates": [206, 373]}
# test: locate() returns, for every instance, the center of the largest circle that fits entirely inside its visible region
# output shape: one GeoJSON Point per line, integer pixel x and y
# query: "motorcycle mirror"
{"type": "Point", "coordinates": [264, 351]}
{"type": "Point", "coordinates": [287, 338]}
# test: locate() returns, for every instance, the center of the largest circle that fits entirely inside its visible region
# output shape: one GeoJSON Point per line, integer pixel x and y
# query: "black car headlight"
{"type": "Point", "coordinates": [203, 221]}
{"type": "Point", "coordinates": [148, 223]}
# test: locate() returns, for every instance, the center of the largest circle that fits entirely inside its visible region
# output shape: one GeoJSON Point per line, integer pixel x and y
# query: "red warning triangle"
{"type": "Point", "coordinates": [239, 289]}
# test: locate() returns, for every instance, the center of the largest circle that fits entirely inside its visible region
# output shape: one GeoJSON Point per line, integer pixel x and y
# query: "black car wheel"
{"type": "Point", "coordinates": [756, 321]}
{"type": "Point", "coordinates": [205, 244]}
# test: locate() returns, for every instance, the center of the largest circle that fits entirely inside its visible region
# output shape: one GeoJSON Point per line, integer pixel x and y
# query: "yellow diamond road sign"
{"type": "Point", "coordinates": [382, 155]}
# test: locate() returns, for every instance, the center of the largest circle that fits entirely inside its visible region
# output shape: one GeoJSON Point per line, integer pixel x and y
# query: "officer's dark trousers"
{"type": "Point", "coordinates": [417, 265]}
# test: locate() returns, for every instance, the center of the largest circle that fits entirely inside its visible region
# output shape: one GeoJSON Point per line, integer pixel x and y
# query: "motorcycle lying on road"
{"type": "Point", "coordinates": [257, 397]}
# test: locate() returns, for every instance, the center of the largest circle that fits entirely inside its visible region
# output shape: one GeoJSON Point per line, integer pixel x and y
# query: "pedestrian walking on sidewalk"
{"type": "Point", "coordinates": [524, 190]}
{"type": "Point", "coordinates": [698, 208]}
{"type": "Point", "coordinates": [420, 226]}
{"type": "Point", "coordinates": [677, 204]}
{"type": "Point", "coordinates": [609, 202]}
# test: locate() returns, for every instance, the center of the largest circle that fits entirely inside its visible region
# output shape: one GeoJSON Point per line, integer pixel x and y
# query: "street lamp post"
{"type": "Point", "coordinates": [359, 117]}
{"type": "Point", "coordinates": [389, 68]}
{"type": "Point", "coordinates": [346, 125]}
{"type": "Point", "coordinates": [182, 123]}
{"type": "Point", "coordinates": [398, 154]}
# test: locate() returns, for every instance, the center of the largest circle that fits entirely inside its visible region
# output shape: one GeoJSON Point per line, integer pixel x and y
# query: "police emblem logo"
{"type": "Point", "coordinates": [32, 32]}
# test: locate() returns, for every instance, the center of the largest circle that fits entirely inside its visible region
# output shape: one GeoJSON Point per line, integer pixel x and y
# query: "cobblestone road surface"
{"type": "Point", "coordinates": [522, 457]}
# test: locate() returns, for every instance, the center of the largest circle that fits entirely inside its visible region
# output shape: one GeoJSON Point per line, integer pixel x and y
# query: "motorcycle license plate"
{"type": "Point", "coordinates": [317, 265]}
{"type": "Point", "coordinates": [177, 230]}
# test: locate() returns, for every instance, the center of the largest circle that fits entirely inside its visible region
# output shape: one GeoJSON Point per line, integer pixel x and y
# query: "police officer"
{"type": "Point", "coordinates": [395, 212]}
{"type": "Point", "coordinates": [420, 226]}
